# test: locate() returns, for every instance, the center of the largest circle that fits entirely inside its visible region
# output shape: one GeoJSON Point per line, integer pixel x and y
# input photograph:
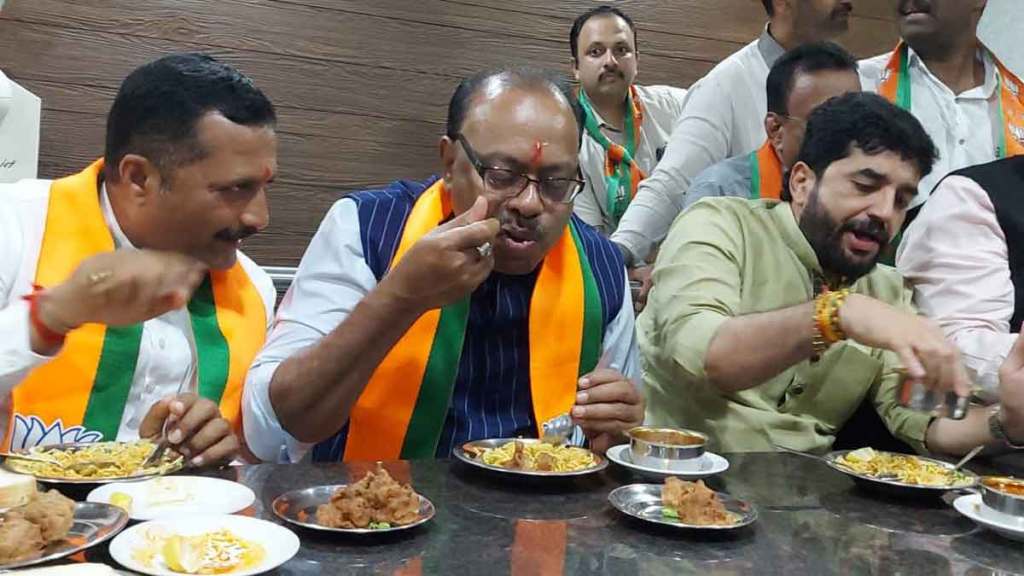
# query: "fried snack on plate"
{"type": "Point", "coordinates": [693, 503]}
{"type": "Point", "coordinates": [375, 501]}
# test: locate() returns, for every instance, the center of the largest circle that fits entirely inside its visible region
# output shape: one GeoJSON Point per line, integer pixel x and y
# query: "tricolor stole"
{"type": "Point", "coordinates": [895, 87]}
{"type": "Point", "coordinates": [620, 167]}
{"type": "Point", "coordinates": [765, 173]}
{"type": "Point", "coordinates": [87, 384]}
{"type": "Point", "coordinates": [402, 410]}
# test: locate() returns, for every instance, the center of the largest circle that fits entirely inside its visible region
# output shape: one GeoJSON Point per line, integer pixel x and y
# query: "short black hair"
{"type": "Point", "coordinates": [509, 76]}
{"type": "Point", "coordinates": [869, 122]}
{"type": "Point", "coordinates": [159, 104]}
{"type": "Point", "coordinates": [804, 59]}
{"type": "Point", "coordinates": [603, 10]}
{"type": "Point", "coordinates": [769, 7]}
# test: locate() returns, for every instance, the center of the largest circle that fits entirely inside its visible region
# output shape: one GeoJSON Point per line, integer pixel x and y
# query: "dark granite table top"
{"type": "Point", "coordinates": [812, 521]}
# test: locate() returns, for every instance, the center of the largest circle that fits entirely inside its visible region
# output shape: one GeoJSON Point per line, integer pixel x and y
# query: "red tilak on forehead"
{"type": "Point", "coordinates": [538, 153]}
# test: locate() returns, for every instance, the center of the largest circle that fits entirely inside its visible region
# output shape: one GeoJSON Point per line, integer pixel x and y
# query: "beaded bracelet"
{"type": "Point", "coordinates": [827, 327]}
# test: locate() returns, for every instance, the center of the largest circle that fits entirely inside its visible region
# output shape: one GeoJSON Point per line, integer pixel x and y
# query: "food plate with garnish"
{"type": "Point", "coordinates": [682, 504]}
{"type": "Point", "coordinates": [169, 496]}
{"type": "Point", "coordinates": [49, 526]}
{"type": "Point", "coordinates": [222, 544]}
{"type": "Point", "coordinates": [530, 457]}
{"type": "Point", "coordinates": [903, 474]}
{"type": "Point", "coordinates": [92, 463]}
{"type": "Point", "coordinates": [375, 504]}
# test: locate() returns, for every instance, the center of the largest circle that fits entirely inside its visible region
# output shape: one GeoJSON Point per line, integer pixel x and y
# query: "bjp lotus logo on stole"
{"type": "Point", "coordinates": [886, 73]}
{"type": "Point", "coordinates": [1017, 132]}
{"type": "Point", "coordinates": [31, 431]}
{"type": "Point", "coordinates": [1013, 87]}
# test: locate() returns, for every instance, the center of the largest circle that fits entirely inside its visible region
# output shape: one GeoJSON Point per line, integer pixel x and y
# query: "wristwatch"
{"type": "Point", "coordinates": [995, 427]}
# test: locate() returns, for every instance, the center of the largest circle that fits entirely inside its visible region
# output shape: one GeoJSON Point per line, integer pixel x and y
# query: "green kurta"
{"type": "Point", "coordinates": [727, 257]}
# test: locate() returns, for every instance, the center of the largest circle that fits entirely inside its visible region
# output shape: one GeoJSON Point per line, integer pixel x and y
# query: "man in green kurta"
{"type": "Point", "coordinates": [733, 339]}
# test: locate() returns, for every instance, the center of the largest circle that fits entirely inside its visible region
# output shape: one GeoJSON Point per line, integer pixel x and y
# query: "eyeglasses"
{"type": "Point", "coordinates": [508, 184]}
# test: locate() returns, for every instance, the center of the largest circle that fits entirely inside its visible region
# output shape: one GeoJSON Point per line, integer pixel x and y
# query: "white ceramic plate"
{"type": "Point", "coordinates": [707, 465]}
{"type": "Point", "coordinates": [1011, 527]}
{"type": "Point", "coordinates": [279, 543]}
{"type": "Point", "coordinates": [178, 495]}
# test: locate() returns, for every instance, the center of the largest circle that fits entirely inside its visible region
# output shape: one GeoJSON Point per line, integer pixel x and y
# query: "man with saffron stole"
{"type": "Point", "coordinates": [126, 302]}
{"type": "Point", "coordinates": [428, 314]}
{"type": "Point", "coordinates": [626, 126]}
{"type": "Point", "coordinates": [798, 83]}
{"type": "Point", "coordinates": [969, 102]}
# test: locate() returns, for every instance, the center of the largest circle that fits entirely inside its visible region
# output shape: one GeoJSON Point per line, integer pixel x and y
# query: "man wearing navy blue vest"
{"type": "Point", "coordinates": [428, 314]}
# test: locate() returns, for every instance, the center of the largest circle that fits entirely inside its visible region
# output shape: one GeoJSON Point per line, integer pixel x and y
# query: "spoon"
{"type": "Point", "coordinates": [74, 466]}
{"type": "Point", "coordinates": [557, 429]}
{"type": "Point", "coordinates": [828, 462]}
{"type": "Point", "coordinates": [967, 458]}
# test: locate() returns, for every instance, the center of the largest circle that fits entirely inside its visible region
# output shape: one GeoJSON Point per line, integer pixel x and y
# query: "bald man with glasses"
{"type": "Point", "coordinates": [474, 305]}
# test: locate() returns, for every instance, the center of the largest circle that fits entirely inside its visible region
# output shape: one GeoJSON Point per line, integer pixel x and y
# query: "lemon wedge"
{"type": "Point", "coordinates": [122, 500]}
{"type": "Point", "coordinates": [182, 555]}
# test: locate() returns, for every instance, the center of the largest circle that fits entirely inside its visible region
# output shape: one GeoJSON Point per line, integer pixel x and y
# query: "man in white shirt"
{"type": "Point", "coordinates": [124, 299]}
{"type": "Point", "coordinates": [963, 257]}
{"type": "Point", "coordinates": [800, 81]}
{"type": "Point", "coordinates": [723, 116]}
{"type": "Point", "coordinates": [428, 314]}
{"type": "Point", "coordinates": [626, 126]}
{"type": "Point", "coordinates": [970, 104]}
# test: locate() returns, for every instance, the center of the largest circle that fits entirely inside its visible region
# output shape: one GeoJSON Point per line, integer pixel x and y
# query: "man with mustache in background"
{"type": "Point", "coordinates": [769, 322]}
{"type": "Point", "coordinates": [124, 284]}
{"type": "Point", "coordinates": [475, 305]}
{"type": "Point", "coordinates": [626, 126]}
{"type": "Point", "coordinates": [971, 105]}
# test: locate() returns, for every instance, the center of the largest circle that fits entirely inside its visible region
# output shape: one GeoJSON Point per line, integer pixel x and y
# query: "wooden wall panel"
{"type": "Point", "coordinates": [361, 86]}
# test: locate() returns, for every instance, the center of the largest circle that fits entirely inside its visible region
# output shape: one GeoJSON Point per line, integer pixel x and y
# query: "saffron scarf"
{"type": "Point", "coordinates": [85, 388]}
{"type": "Point", "coordinates": [896, 88]}
{"type": "Point", "coordinates": [765, 172]}
{"type": "Point", "coordinates": [622, 175]}
{"type": "Point", "coordinates": [402, 410]}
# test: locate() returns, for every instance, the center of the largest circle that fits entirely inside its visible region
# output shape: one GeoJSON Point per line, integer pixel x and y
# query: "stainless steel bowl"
{"type": "Point", "coordinates": [1000, 500]}
{"type": "Point", "coordinates": [664, 455]}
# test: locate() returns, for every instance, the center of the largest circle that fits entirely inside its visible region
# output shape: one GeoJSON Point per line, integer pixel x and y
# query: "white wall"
{"type": "Point", "coordinates": [1002, 28]}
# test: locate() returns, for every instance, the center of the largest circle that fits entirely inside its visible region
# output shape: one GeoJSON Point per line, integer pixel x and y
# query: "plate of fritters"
{"type": "Point", "coordinates": [51, 526]}
{"type": "Point", "coordinates": [900, 473]}
{"type": "Point", "coordinates": [111, 462]}
{"type": "Point", "coordinates": [375, 504]}
{"type": "Point", "coordinates": [682, 504]}
{"type": "Point", "coordinates": [530, 457]}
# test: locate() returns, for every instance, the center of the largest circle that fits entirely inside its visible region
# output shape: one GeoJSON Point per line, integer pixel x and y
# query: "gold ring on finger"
{"type": "Point", "coordinates": [97, 277]}
{"type": "Point", "coordinates": [485, 249]}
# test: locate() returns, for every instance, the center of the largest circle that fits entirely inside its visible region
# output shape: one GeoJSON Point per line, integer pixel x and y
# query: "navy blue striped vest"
{"type": "Point", "coordinates": [491, 398]}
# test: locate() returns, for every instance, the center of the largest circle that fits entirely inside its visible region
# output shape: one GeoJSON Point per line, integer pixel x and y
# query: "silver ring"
{"type": "Point", "coordinates": [485, 249]}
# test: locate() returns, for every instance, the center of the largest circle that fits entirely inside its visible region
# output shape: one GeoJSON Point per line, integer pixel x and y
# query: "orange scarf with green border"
{"type": "Point", "coordinates": [622, 174]}
{"type": "Point", "coordinates": [402, 410]}
{"type": "Point", "coordinates": [86, 385]}
{"type": "Point", "coordinates": [896, 88]}
{"type": "Point", "coordinates": [765, 172]}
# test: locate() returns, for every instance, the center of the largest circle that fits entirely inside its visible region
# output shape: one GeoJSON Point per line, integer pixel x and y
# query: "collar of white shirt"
{"type": "Point", "coordinates": [769, 47]}
{"type": "Point", "coordinates": [120, 240]}
{"type": "Point", "coordinates": [983, 92]}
